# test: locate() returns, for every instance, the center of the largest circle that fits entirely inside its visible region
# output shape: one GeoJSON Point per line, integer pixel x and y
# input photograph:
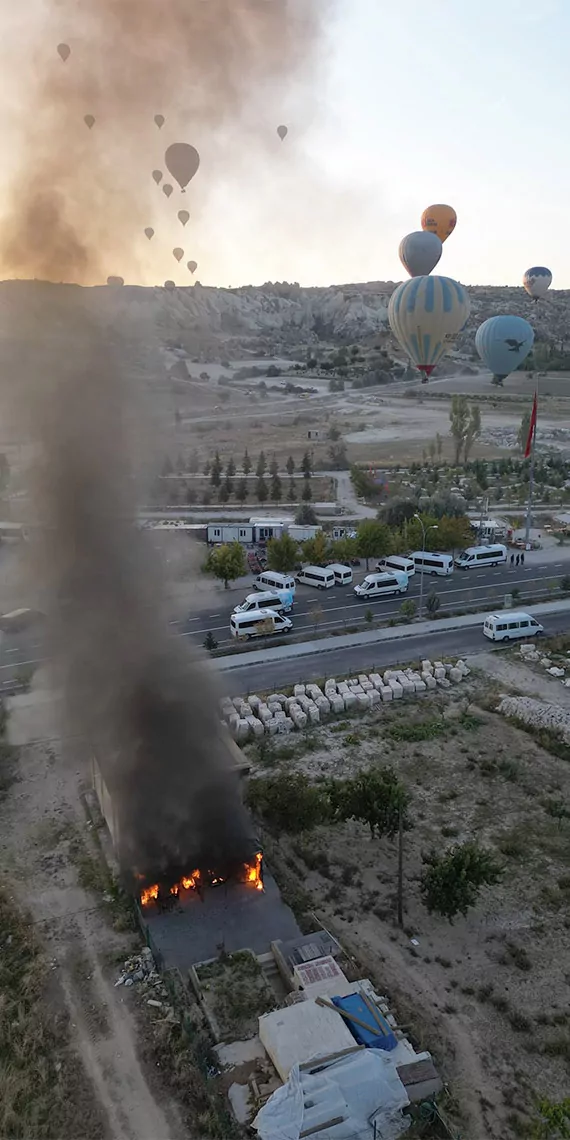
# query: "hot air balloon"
{"type": "Point", "coordinates": [537, 281]}
{"type": "Point", "coordinates": [178, 253]}
{"type": "Point", "coordinates": [159, 120]}
{"type": "Point", "coordinates": [182, 160]}
{"type": "Point", "coordinates": [183, 216]}
{"type": "Point", "coordinates": [115, 281]}
{"type": "Point", "coordinates": [167, 189]}
{"type": "Point", "coordinates": [282, 131]}
{"type": "Point", "coordinates": [420, 252]}
{"type": "Point", "coordinates": [149, 232]}
{"type": "Point", "coordinates": [503, 343]}
{"type": "Point", "coordinates": [440, 220]}
{"type": "Point", "coordinates": [425, 315]}
{"type": "Point", "coordinates": [170, 285]}
{"type": "Point", "coordinates": [157, 175]}
{"type": "Point", "coordinates": [89, 120]}
{"type": "Point", "coordinates": [192, 265]}
{"type": "Point", "coordinates": [64, 51]}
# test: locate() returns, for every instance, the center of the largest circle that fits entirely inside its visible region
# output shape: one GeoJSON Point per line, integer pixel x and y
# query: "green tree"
{"type": "Point", "coordinates": [216, 470]}
{"type": "Point", "coordinates": [288, 801]}
{"type": "Point", "coordinates": [338, 457]}
{"type": "Point", "coordinates": [276, 491]}
{"type": "Point", "coordinates": [282, 554]}
{"type": "Point", "coordinates": [230, 468]}
{"type": "Point", "coordinates": [290, 466]}
{"type": "Point", "coordinates": [207, 468]}
{"type": "Point", "coordinates": [307, 465]}
{"type": "Point", "coordinates": [246, 463]}
{"type": "Point", "coordinates": [306, 515]}
{"type": "Point", "coordinates": [316, 615]}
{"type": "Point", "coordinates": [459, 424]}
{"type": "Point", "coordinates": [227, 562]}
{"type": "Point", "coordinates": [316, 550]}
{"type": "Point", "coordinates": [452, 533]}
{"type": "Point", "coordinates": [334, 433]}
{"type": "Point", "coordinates": [306, 493]}
{"type": "Point", "coordinates": [555, 1121]}
{"type": "Point", "coordinates": [210, 641]}
{"type": "Point", "coordinates": [242, 491]}
{"type": "Point", "coordinates": [473, 430]}
{"type": "Point", "coordinates": [229, 485]}
{"type": "Point", "coordinates": [261, 467]}
{"type": "Point", "coordinates": [375, 798]}
{"type": "Point", "coordinates": [261, 490]}
{"type": "Point", "coordinates": [223, 493]}
{"type": "Point", "coordinates": [373, 540]}
{"type": "Point", "coordinates": [397, 511]}
{"type": "Point", "coordinates": [343, 549]}
{"type": "Point", "coordinates": [408, 609]}
{"type": "Point", "coordinates": [438, 446]}
{"type": "Point", "coordinates": [273, 466]}
{"type": "Point", "coordinates": [292, 492]}
{"type": "Point", "coordinates": [452, 882]}
{"type": "Point", "coordinates": [431, 452]}
{"type": "Point", "coordinates": [433, 603]}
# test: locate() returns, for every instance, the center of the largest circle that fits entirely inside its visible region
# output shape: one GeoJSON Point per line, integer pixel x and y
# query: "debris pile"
{"type": "Point", "coordinates": [309, 704]}
{"type": "Point", "coordinates": [141, 970]}
{"type": "Point", "coordinates": [538, 714]}
{"type": "Point", "coordinates": [531, 655]}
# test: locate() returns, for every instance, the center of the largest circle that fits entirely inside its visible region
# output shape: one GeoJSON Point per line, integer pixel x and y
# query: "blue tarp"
{"type": "Point", "coordinates": [373, 1038]}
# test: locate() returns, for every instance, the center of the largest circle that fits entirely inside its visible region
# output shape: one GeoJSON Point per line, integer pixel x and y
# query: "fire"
{"type": "Point", "coordinates": [252, 874]}
{"type": "Point", "coordinates": [149, 894]}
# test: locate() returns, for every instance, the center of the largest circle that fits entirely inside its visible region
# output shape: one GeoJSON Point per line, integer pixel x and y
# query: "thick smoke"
{"type": "Point", "coordinates": [148, 708]}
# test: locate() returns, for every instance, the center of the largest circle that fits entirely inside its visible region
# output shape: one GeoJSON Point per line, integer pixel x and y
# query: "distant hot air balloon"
{"type": "Point", "coordinates": [178, 253]}
{"type": "Point", "coordinates": [115, 281]}
{"type": "Point", "coordinates": [282, 131]}
{"type": "Point", "coordinates": [182, 160]}
{"type": "Point", "coordinates": [149, 232]}
{"type": "Point", "coordinates": [192, 265]}
{"type": "Point", "coordinates": [420, 252]}
{"type": "Point", "coordinates": [167, 189]}
{"type": "Point", "coordinates": [183, 216]}
{"type": "Point", "coordinates": [537, 281]}
{"type": "Point", "coordinates": [440, 220]}
{"type": "Point", "coordinates": [157, 175]}
{"type": "Point", "coordinates": [159, 120]}
{"type": "Point", "coordinates": [89, 120]}
{"type": "Point", "coordinates": [64, 51]}
{"type": "Point", "coordinates": [503, 343]}
{"type": "Point", "coordinates": [425, 315]}
{"type": "Point", "coordinates": [170, 285]}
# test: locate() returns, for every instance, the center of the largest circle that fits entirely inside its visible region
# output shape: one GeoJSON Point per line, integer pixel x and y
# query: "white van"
{"type": "Point", "coordinates": [258, 623]}
{"type": "Point", "coordinates": [322, 577]}
{"type": "Point", "coordinates": [397, 562]}
{"type": "Point", "coordinates": [509, 624]}
{"type": "Point", "coordinates": [280, 602]}
{"type": "Point", "coordinates": [273, 580]}
{"type": "Point", "coordinates": [428, 563]}
{"type": "Point", "coordinates": [374, 585]}
{"type": "Point", "coordinates": [481, 556]}
{"type": "Point", "coordinates": [342, 574]}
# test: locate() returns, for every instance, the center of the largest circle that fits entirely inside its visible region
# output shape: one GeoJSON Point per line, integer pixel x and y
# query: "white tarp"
{"type": "Point", "coordinates": [362, 1088]}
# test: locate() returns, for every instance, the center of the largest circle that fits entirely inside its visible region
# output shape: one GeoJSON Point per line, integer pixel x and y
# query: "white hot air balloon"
{"type": "Point", "coordinates": [420, 252]}
{"type": "Point", "coordinates": [425, 315]}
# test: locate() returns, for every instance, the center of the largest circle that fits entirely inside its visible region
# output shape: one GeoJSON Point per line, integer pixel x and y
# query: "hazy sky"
{"type": "Point", "coordinates": [417, 103]}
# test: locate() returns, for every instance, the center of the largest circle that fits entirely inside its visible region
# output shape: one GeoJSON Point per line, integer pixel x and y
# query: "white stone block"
{"type": "Point", "coordinates": [304, 702]}
{"type": "Point", "coordinates": [443, 681]}
{"type": "Point", "coordinates": [430, 681]}
{"type": "Point", "coordinates": [376, 681]}
{"type": "Point", "coordinates": [256, 726]}
{"type": "Point", "coordinates": [427, 666]}
{"type": "Point", "coordinates": [374, 697]}
{"type": "Point", "coordinates": [438, 664]}
{"type": "Point", "coordinates": [275, 699]}
{"type": "Point", "coordinates": [420, 686]}
{"type": "Point", "coordinates": [299, 691]}
{"type": "Point", "coordinates": [237, 701]}
{"type": "Point", "coordinates": [337, 703]}
{"type": "Point", "coordinates": [455, 675]}
{"type": "Point", "coordinates": [233, 724]}
{"type": "Point", "coordinates": [254, 702]}
{"type": "Point", "coordinates": [408, 687]}
{"type": "Point", "coordinates": [396, 688]}
{"type": "Point", "coordinates": [264, 714]}
{"type": "Point", "coordinates": [324, 706]}
{"type": "Point", "coordinates": [330, 683]}
{"type": "Point", "coordinates": [386, 693]}
{"type": "Point", "coordinates": [274, 707]}
{"type": "Point", "coordinates": [363, 701]}
{"type": "Point", "coordinates": [284, 726]}
{"type": "Point", "coordinates": [243, 730]}
{"type": "Point", "coordinates": [367, 686]}
{"type": "Point", "coordinates": [299, 718]}
{"type": "Point", "coordinates": [350, 701]}
{"type": "Point", "coordinates": [353, 681]}
{"type": "Point", "coordinates": [272, 726]}
{"type": "Point", "coordinates": [388, 674]}
{"type": "Point", "coordinates": [281, 698]}
{"type": "Point", "coordinates": [439, 673]}
{"type": "Point", "coordinates": [342, 687]}
{"type": "Point", "coordinates": [280, 715]}
{"type": "Point", "coordinates": [362, 678]}
{"type": "Point", "coordinates": [357, 690]}
{"type": "Point", "coordinates": [314, 715]}
{"type": "Point", "coordinates": [314, 691]}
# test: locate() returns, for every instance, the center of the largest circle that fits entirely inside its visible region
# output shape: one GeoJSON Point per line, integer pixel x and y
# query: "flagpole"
{"type": "Point", "coordinates": [531, 474]}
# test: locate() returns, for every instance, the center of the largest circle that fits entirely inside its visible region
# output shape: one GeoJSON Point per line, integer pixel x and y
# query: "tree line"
{"type": "Point", "coordinates": [226, 480]}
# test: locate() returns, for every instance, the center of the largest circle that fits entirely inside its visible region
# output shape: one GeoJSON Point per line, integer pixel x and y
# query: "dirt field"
{"type": "Point", "coordinates": [488, 994]}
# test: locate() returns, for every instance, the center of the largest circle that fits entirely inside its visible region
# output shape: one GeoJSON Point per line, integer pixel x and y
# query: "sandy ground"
{"type": "Point", "coordinates": [41, 813]}
{"type": "Point", "coordinates": [530, 680]}
{"type": "Point", "coordinates": [489, 994]}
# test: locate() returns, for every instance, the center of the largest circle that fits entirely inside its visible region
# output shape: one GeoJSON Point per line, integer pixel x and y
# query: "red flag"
{"type": "Point", "coordinates": [531, 429]}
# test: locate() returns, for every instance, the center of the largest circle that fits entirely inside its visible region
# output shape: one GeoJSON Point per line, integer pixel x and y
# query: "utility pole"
{"type": "Point", "coordinates": [400, 867]}
{"type": "Point", "coordinates": [424, 532]}
{"type": "Point", "coordinates": [531, 472]}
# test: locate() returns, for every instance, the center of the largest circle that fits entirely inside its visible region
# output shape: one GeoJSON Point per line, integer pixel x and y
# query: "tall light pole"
{"type": "Point", "coordinates": [424, 532]}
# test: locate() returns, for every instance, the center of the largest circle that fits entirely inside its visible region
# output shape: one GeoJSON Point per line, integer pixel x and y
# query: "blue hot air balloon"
{"type": "Point", "coordinates": [420, 252]}
{"type": "Point", "coordinates": [503, 343]}
{"type": "Point", "coordinates": [425, 315]}
{"type": "Point", "coordinates": [537, 281]}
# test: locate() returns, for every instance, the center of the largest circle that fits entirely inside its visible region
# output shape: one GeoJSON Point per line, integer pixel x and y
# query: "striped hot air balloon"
{"type": "Point", "coordinates": [425, 315]}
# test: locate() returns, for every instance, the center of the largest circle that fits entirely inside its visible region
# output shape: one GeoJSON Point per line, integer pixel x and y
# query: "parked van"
{"type": "Point", "coordinates": [280, 602]}
{"type": "Point", "coordinates": [322, 577]}
{"type": "Point", "coordinates": [342, 574]}
{"type": "Point", "coordinates": [273, 580]}
{"type": "Point", "coordinates": [374, 585]}
{"type": "Point", "coordinates": [428, 563]}
{"type": "Point", "coordinates": [509, 624]}
{"type": "Point", "coordinates": [397, 562]}
{"type": "Point", "coordinates": [481, 556]}
{"type": "Point", "coordinates": [258, 623]}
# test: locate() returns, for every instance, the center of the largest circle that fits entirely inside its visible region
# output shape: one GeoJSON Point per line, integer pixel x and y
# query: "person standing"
{"type": "Point", "coordinates": [522, 558]}
{"type": "Point", "coordinates": [512, 559]}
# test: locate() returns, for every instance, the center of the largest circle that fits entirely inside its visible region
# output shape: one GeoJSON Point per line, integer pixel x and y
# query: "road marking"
{"type": "Point", "coordinates": [214, 616]}
{"type": "Point", "coordinates": [13, 650]}
{"type": "Point", "coordinates": [37, 661]}
{"type": "Point", "coordinates": [177, 621]}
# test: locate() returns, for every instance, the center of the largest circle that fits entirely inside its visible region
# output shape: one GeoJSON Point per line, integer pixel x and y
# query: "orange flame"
{"type": "Point", "coordinates": [252, 874]}
{"type": "Point", "coordinates": [149, 895]}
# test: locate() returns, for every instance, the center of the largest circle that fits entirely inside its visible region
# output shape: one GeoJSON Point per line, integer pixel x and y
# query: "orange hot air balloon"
{"type": "Point", "coordinates": [183, 216]}
{"type": "Point", "coordinates": [440, 220]}
{"type": "Point", "coordinates": [157, 175]}
{"type": "Point", "coordinates": [149, 232]}
{"type": "Point", "coordinates": [170, 285]}
{"type": "Point", "coordinates": [178, 253]}
{"type": "Point", "coordinates": [182, 160]}
{"type": "Point", "coordinates": [167, 189]}
{"type": "Point", "coordinates": [160, 121]}
{"type": "Point", "coordinates": [282, 131]}
{"type": "Point", "coordinates": [192, 265]}
{"type": "Point", "coordinates": [89, 120]}
{"type": "Point", "coordinates": [64, 51]}
{"type": "Point", "coordinates": [115, 281]}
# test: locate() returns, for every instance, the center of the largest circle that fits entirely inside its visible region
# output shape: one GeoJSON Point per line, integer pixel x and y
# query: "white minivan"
{"type": "Point", "coordinates": [320, 576]}
{"type": "Point", "coordinates": [509, 624]}
{"type": "Point", "coordinates": [258, 623]}
{"type": "Point", "coordinates": [481, 556]}
{"type": "Point", "coordinates": [374, 585]}
{"type": "Point", "coordinates": [397, 562]}
{"type": "Point", "coordinates": [342, 574]}
{"type": "Point", "coordinates": [280, 602]}
{"type": "Point", "coordinates": [428, 563]}
{"type": "Point", "coordinates": [273, 580]}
